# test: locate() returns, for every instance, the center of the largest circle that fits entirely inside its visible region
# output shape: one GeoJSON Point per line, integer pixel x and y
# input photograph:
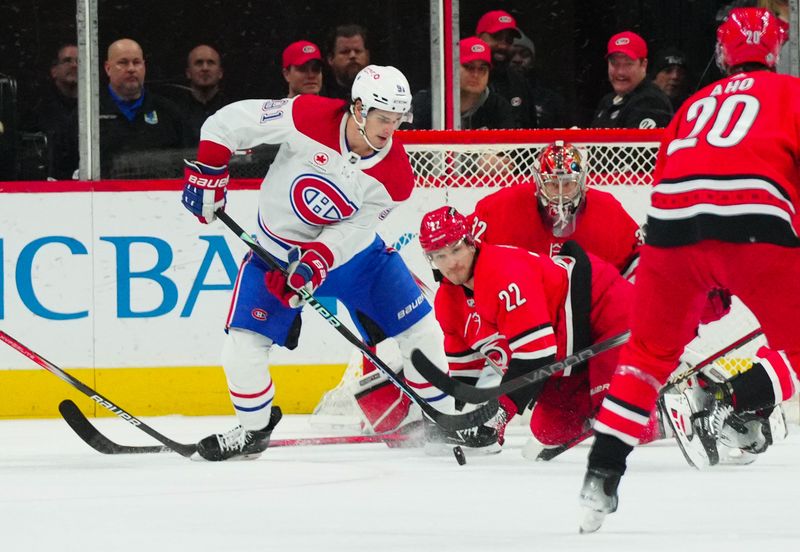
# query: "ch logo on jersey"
{"type": "Point", "coordinates": [317, 200]}
{"type": "Point", "coordinates": [259, 314]}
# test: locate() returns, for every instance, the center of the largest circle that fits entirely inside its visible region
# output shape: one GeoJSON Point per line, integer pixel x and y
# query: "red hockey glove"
{"type": "Point", "coordinates": [306, 272]}
{"type": "Point", "coordinates": [204, 189]}
{"type": "Point", "coordinates": [276, 284]}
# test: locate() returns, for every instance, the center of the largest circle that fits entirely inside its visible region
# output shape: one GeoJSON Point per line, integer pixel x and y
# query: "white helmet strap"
{"type": "Point", "coordinates": [362, 125]}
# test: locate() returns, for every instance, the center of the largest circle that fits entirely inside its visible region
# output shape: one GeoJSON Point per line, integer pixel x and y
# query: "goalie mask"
{"type": "Point", "coordinates": [560, 185]}
{"type": "Point", "coordinates": [749, 35]}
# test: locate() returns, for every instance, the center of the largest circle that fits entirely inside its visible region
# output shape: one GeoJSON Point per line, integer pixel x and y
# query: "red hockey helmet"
{"type": "Point", "coordinates": [442, 227]}
{"type": "Point", "coordinates": [561, 184]}
{"type": "Point", "coordinates": [749, 35]}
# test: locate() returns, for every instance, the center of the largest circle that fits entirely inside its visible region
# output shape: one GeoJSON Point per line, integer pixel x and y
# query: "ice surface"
{"type": "Point", "coordinates": [58, 494]}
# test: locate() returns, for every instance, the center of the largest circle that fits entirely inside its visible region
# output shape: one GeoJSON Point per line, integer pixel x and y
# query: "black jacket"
{"type": "Point", "coordinates": [645, 107]}
{"type": "Point", "coordinates": [495, 113]}
{"type": "Point", "coordinates": [158, 129]}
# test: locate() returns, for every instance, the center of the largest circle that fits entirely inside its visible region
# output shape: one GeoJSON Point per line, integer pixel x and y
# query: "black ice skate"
{"type": "Point", "coordinates": [598, 498]}
{"type": "Point", "coordinates": [479, 438]}
{"type": "Point", "coordinates": [239, 443]}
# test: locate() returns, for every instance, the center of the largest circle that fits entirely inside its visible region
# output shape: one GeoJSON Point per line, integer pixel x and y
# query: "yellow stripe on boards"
{"type": "Point", "coordinates": [191, 391]}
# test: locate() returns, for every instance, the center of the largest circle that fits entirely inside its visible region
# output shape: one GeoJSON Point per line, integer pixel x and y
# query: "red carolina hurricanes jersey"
{"type": "Point", "coordinates": [511, 217]}
{"type": "Point", "coordinates": [727, 168]}
{"type": "Point", "coordinates": [510, 313]}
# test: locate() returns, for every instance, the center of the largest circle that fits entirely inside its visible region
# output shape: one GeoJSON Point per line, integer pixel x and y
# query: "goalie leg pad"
{"type": "Point", "coordinates": [382, 402]}
{"type": "Point", "coordinates": [426, 335]}
{"type": "Point", "coordinates": [245, 359]}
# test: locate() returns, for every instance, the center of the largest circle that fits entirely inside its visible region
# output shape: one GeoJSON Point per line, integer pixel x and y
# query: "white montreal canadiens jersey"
{"type": "Point", "coordinates": [316, 195]}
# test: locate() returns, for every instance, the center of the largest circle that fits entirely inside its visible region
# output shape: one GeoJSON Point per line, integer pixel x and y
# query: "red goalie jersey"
{"type": "Point", "coordinates": [511, 217]}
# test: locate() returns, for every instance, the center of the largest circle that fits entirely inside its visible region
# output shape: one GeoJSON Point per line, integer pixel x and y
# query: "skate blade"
{"type": "Point", "coordinates": [591, 520]}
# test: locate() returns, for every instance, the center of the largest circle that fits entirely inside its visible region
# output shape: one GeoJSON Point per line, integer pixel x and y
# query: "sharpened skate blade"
{"type": "Point", "coordinates": [591, 520]}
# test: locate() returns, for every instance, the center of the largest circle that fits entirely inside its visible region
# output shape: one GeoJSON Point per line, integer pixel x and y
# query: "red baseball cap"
{"type": "Point", "coordinates": [300, 52]}
{"type": "Point", "coordinates": [628, 43]}
{"type": "Point", "coordinates": [474, 49]}
{"type": "Point", "coordinates": [496, 21]}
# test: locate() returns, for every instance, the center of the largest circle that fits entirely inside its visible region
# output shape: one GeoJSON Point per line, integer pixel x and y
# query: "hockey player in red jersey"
{"type": "Point", "coordinates": [723, 213]}
{"type": "Point", "coordinates": [520, 310]}
{"type": "Point", "coordinates": [338, 173]}
{"type": "Point", "coordinates": [558, 206]}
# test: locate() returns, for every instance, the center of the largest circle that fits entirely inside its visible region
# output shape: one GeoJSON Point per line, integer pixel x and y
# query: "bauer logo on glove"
{"type": "Point", "coordinates": [204, 190]}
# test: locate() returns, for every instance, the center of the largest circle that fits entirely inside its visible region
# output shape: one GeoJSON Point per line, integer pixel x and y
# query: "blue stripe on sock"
{"type": "Point", "coordinates": [252, 409]}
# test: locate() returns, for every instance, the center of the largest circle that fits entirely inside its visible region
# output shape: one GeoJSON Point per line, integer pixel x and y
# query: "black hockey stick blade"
{"type": "Point", "coordinates": [403, 437]}
{"type": "Point", "coordinates": [476, 395]}
{"type": "Point", "coordinates": [104, 402]}
{"type": "Point", "coordinates": [84, 429]}
{"type": "Point", "coordinates": [548, 453]}
{"type": "Point", "coordinates": [449, 422]}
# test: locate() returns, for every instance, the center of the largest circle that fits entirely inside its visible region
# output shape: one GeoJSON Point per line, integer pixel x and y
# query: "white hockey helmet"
{"type": "Point", "coordinates": [382, 87]}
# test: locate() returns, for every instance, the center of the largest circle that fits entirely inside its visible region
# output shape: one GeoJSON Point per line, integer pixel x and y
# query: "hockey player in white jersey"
{"type": "Point", "coordinates": [338, 173]}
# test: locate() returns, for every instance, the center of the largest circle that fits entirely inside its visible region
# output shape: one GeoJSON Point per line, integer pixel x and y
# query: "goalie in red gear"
{"type": "Point", "coordinates": [723, 213]}
{"type": "Point", "coordinates": [520, 311]}
{"type": "Point", "coordinates": [556, 206]}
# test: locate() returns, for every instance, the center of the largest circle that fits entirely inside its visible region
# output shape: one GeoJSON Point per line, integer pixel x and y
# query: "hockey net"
{"type": "Point", "coordinates": [460, 167]}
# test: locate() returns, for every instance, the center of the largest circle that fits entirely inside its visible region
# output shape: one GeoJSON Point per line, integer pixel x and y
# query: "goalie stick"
{"type": "Point", "coordinates": [476, 395]}
{"type": "Point", "coordinates": [99, 442]}
{"type": "Point", "coordinates": [183, 450]}
{"type": "Point", "coordinates": [450, 422]}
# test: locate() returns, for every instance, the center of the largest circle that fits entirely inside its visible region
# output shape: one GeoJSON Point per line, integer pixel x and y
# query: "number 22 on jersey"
{"type": "Point", "coordinates": [512, 297]}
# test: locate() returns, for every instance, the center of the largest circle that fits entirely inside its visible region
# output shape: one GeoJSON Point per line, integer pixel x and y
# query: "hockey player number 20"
{"type": "Point", "coordinates": [722, 134]}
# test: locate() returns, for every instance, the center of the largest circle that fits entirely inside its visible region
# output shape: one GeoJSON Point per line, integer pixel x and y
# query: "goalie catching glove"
{"type": "Point", "coordinates": [305, 271]}
{"type": "Point", "coordinates": [204, 189]}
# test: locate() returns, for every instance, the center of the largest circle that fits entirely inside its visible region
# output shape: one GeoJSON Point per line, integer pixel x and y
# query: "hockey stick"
{"type": "Point", "coordinates": [99, 442]}
{"type": "Point", "coordinates": [476, 395]}
{"type": "Point", "coordinates": [447, 421]}
{"type": "Point", "coordinates": [183, 450]}
{"type": "Point", "coordinates": [675, 379]}
{"type": "Point", "coordinates": [471, 394]}
{"type": "Point", "coordinates": [542, 453]}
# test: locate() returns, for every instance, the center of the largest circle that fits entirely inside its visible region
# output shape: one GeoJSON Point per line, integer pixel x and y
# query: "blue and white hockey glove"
{"type": "Point", "coordinates": [204, 189]}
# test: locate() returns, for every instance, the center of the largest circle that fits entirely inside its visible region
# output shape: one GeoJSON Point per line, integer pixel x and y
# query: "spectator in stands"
{"type": "Point", "coordinates": [671, 75]}
{"type": "Point", "coordinates": [498, 29]}
{"type": "Point", "coordinates": [347, 55]}
{"type": "Point", "coordinates": [635, 102]}
{"type": "Point", "coordinates": [58, 105]}
{"type": "Point", "coordinates": [204, 95]}
{"type": "Point", "coordinates": [548, 109]}
{"type": "Point", "coordinates": [133, 120]}
{"type": "Point", "coordinates": [480, 107]}
{"type": "Point", "coordinates": [302, 68]}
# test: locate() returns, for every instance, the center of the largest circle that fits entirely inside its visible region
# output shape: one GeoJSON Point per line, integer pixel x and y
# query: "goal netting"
{"type": "Point", "coordinates": [460, 167]}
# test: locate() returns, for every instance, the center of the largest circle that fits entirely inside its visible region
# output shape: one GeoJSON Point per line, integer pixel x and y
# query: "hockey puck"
{"type": "Point", "coordinates": [459, 454]}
